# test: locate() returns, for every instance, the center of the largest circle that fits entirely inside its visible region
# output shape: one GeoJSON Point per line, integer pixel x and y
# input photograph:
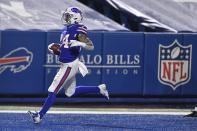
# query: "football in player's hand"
{"type": "Point", "coordinates": [55, 48]}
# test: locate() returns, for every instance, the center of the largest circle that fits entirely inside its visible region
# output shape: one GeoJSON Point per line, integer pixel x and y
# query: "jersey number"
{"type": "Point", "coordinates": [65, 40]}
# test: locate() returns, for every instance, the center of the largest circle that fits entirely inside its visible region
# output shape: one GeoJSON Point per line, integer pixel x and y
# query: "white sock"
{"type": "Point", "coordinates": [195, 109]}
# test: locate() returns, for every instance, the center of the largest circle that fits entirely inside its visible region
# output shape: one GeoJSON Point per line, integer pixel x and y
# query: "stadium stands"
{"type": "Point", "coordinates": [44, 15]}
{"type": "Point", "coordinates": [140, 15]}
{"type": "Point", "coordinates": [149, 15]}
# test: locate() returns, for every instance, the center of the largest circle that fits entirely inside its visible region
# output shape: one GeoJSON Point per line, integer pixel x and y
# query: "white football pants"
{"type": "Point", "coordinates": [65, 78]}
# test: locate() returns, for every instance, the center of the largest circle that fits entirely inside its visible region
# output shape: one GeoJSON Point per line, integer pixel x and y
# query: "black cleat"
{"type": "Point", "coordinates": [192, 114]}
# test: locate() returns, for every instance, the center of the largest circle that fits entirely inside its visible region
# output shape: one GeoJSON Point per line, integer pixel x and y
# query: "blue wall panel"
{"type": "Point", "coordinates": [191, 87]}
{"type": "Point", "coordinates": [22, 57]}
{"type": "Point", "coordinates": [123, 63]}
{"type": "Point", "coordinates": [152, 85]}
{"type": "Point", "coordinates": [127, 62]}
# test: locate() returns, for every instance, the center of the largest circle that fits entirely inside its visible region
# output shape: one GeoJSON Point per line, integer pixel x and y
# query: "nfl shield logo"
{"type": "Point", "coordinates": [174, 67]}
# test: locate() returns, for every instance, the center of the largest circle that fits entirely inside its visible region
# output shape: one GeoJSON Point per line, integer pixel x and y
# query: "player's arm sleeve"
{"type": "Point", "coordinates": [87, 42]}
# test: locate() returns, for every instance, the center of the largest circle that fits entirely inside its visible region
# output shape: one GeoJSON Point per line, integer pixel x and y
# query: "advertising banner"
{"type": "Point", "coordinates": [167, 64]}
{"type": "Point", "coordinates": [22, 54]}
{"type": "Point", "coordinates": [130, 64]}
{"type": "Point", "coordinates": [122, 67]}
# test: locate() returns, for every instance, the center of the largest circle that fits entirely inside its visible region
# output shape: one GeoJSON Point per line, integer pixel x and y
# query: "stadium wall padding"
{"type": "Point", "coordinates": [131, 64]}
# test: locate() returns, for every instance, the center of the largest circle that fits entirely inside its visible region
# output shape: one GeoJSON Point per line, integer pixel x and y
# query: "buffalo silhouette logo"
{"type": "Point", "coordinates": [16, 60]}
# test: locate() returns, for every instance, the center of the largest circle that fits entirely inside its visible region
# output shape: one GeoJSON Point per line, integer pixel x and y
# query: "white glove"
{"type": "Point", "coordinates": [49, 47]}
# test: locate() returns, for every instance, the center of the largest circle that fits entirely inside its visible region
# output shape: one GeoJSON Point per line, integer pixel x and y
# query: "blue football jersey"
{"type": "Point", "coordinates": [70, 32]}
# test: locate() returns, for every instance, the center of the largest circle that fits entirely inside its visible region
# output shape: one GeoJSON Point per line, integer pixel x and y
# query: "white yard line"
{"type": "Point", "coordinates": [102, 112]}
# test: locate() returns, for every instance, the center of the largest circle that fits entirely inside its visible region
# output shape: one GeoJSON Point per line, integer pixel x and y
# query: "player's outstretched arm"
{"type": "Point", "coordinates": [83, 38]}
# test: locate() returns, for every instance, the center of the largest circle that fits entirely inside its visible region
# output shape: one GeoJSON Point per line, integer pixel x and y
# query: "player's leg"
{"type": "Point", "coordinates": [92, 89]}
{"type": "Point", "coordinates": [54, 88]}
{"type": "Point", "coordinates": [72, 90]}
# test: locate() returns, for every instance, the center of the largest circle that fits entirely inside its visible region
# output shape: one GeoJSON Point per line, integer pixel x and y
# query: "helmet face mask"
{"type": "Point", "coordinates": [71, 15]}
{"type": "Point", "coordinates": [66, 18]}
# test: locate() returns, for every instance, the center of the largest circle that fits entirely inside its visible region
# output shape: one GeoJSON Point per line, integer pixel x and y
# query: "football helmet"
{"type": "Point", "coordinates": [71, 15]}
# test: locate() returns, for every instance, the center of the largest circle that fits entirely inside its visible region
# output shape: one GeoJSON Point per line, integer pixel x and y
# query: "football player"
{"type": "Point", "coordinates": [73, 38]}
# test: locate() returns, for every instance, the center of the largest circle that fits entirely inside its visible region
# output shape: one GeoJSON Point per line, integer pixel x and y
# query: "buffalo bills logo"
{"type": "Point", "coordinates": [174, 68]}
{"type": "Point", "coordinates": [17, 60]}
